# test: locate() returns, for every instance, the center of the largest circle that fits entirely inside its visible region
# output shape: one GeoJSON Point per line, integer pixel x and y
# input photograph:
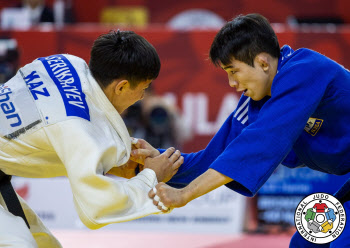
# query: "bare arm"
{"type": "Point", "coordinates": [208, 181]}
{"type": "Point", "coordinates": [202, 185]}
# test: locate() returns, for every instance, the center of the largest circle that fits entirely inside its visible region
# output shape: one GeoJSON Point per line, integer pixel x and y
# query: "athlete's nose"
{"type": "Point", "coordinates": [233, 83]}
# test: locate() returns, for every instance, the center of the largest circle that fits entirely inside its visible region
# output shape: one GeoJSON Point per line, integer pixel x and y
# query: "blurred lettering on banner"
{"type": "Point", "coordinates": [281, 194]}
{"type": "Point", "coordinates": [221, 211]}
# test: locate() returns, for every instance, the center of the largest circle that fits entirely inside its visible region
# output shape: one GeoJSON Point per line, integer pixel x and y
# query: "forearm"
{"type": "Point", "coordinates": [101, 200]}
{"type": "Point", "coordinates": [208, 181]}
{"type": "Point", "coordinates": [194, 165]}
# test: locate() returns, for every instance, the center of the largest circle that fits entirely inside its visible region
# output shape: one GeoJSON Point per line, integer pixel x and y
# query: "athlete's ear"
{"type": "Point", "coordinates": [121, 86]}
{"type": "Point", "coordinates": [262, 60]}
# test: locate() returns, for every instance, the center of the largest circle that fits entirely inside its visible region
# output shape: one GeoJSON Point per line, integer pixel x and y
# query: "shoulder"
{"type": "Point", "coordinates": [302, 57]}
{"type": "Point", "coordinates": [74, 59]}
{"type": "Point", "coordinates": [58, 61]}
{"type": "Point", "coordinates": [308, 64]}
{"type": "Point", "coordinates": [309, 58]}
{"type": "Point", "coordinates": [62, 57]}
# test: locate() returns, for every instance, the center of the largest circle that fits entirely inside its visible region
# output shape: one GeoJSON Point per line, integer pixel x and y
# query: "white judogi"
{"type": "Point", "coordinates": [55, 120]}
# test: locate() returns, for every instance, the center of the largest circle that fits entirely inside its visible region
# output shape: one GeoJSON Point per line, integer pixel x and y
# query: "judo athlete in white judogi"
{"type": "Point", "coordinates": [60, 117]}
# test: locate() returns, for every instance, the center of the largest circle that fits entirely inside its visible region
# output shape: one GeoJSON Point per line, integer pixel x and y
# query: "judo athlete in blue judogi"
{"type": "Point", "coordinates": [294, 110]}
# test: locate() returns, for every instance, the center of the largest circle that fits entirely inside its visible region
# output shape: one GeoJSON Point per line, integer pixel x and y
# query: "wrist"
{"type": "Point", "coordinates": [187, 195]}
{"type": "Point", "coordinates": [147, 176]}
{"type": "Point", "coordinates": [155, 169]}
{"type": "Point", "coordinates": [160, 177]}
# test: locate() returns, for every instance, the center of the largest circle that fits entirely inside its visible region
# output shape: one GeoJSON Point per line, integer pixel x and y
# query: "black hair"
{"type": "Point", "coordinates": [242, 39]}
{"type": "Point", "coordinates": [123, 54]}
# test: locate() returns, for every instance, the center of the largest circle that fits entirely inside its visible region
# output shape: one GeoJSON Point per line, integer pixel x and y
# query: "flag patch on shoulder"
{"type": "Point", "coordinates": [313, 125]}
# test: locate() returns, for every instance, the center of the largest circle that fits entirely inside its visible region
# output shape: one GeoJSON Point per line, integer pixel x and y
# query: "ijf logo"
{"type": "Point", "coordinates": [320, 218]}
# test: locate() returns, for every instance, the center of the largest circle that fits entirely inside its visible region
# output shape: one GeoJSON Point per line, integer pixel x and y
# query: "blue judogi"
{"type": "Point", "coordinates": [305, 122]}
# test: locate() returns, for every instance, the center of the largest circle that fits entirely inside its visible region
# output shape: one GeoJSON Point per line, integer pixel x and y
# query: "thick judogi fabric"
{"type": "Point", "coordinates": [55, 120]}
{"type": "Point", "coordinates": [306, 121]}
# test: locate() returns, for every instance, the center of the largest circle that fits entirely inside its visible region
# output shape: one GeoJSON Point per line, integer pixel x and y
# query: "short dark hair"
{"type": "Point", "coordinates": [123, 54]}
{"type": "Point", "coordinates": [242, 39]}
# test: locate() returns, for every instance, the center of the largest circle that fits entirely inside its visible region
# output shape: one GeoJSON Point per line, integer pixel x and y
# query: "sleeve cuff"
{"type": "Point", "coordinates": [240, 184]}
{"type": "Point", "coordinates": [239, 188]}
{"type": "Point", "coordinates": [148, 176]}
{"type": "Point", "coordinates": [161, 150]}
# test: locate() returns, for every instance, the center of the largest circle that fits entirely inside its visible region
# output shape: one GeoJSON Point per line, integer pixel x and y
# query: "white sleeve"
{"type": "Point", "coordinates": [87, 154]}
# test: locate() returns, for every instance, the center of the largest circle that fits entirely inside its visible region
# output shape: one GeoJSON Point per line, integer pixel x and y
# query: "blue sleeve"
{"type": "Point", "coordinates": [296, 91]}
{"type": "Point", "coordinates": [292, 161]}
{"type": "Point", "coordinates": [197, 163]}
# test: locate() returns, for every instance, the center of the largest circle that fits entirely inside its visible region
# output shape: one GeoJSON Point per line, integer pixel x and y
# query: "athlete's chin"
{"type": "Point", "coordinates": [256, 97]}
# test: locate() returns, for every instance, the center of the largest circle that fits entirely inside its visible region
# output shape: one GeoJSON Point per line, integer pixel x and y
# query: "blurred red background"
{"type": "Point", "coordinates": [185, 68]}
{"type": "Point", "coordinates": [161, 11]}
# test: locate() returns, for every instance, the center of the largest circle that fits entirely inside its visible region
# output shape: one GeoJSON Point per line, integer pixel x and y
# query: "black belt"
{"type": "Point", "coordinates": [345, 198]}
{"type": "Point", "coordinates": [10, 197]}
{"type": "Point", "coordinates": [343, 194]}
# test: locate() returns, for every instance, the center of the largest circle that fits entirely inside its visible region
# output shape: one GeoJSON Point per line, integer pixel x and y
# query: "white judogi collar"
{"type": "Point", "coordinates": [111, 113]}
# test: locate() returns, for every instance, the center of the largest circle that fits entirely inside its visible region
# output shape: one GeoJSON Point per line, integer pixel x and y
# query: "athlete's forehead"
{"type": "Point", "coordinates": [227, 67]}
